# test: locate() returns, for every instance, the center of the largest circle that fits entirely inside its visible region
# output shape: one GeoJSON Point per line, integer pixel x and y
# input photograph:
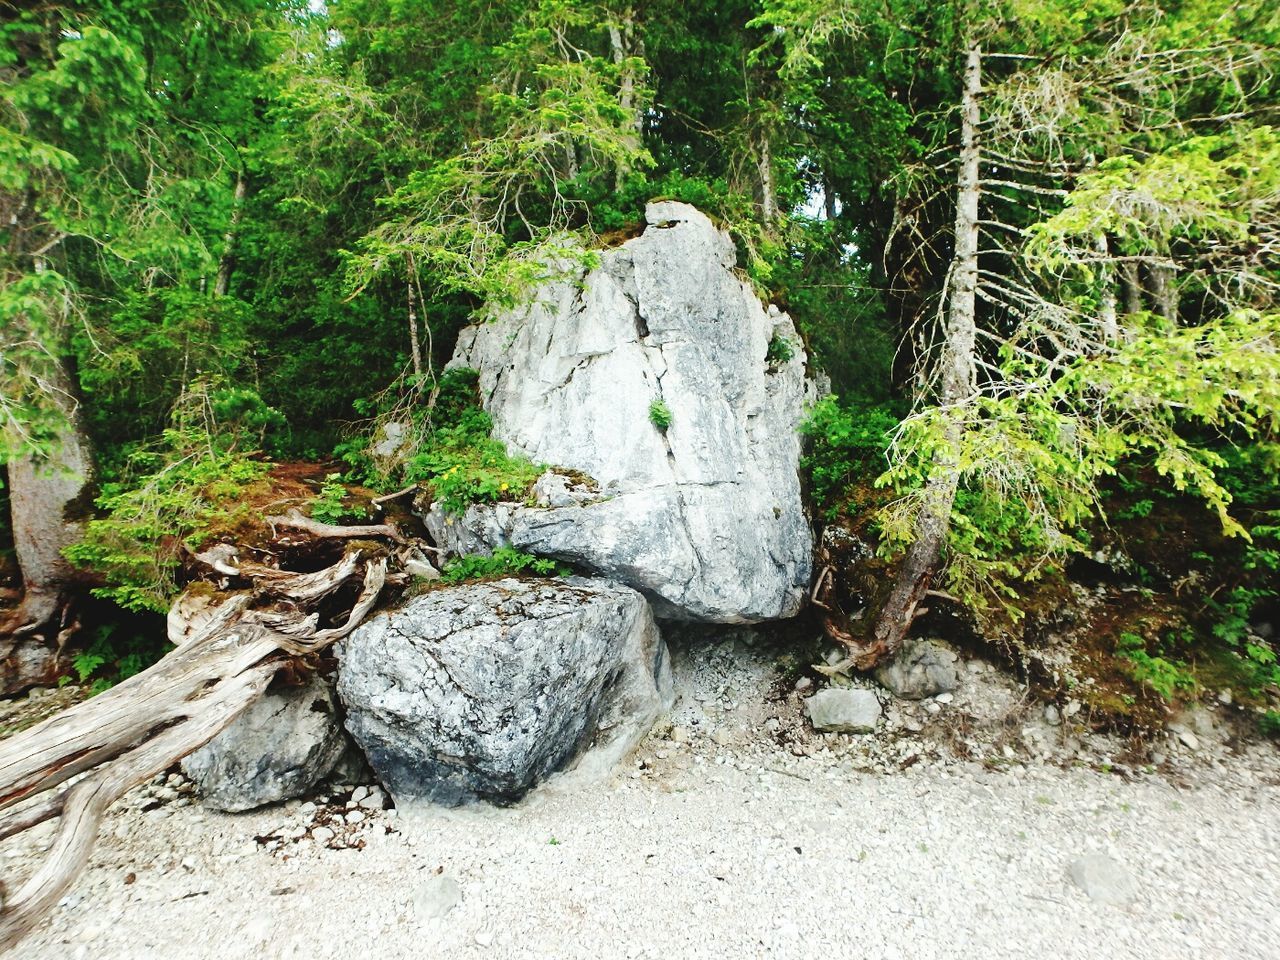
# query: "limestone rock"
{"type": "Point", "coordinates": [921, 669]}
{"type": "Point", "coordinates": [480, 691]}
{"type": "Point", "coordinates": [279, 748]}
{"type": "Point", "coordinates": [435, 898]}
{"type": "Point", "coordinates": [844, 710]}
{"type": "Point", "coordinates": [1102, 879]}
{"type": "Point", "coordinates": [705, 517]}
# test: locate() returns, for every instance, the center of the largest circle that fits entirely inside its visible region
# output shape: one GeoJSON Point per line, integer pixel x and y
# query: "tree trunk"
{"type": "Point", "coordinates": [1107, 322]}
{"type": "Point", "coordinates": [1131, 288]}
{"type": "Point", "coordinates": [48, 500]}
{"type": "Point", "coordinates": [956, 387]}
{"type": "Point", "coordinates": [225, 264]}
{"type": "Point", "coordinates": [415, 347]}
{"type": "Point", "coordinates": [1163, 290]}
{"type": "Point", "coordinates": [767, 185]}
{"type": "Point", "coordinates": [623, 46]}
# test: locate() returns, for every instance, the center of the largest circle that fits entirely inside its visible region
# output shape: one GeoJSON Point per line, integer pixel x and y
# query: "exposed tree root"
{"type": "Point", "coordinates": [229, 645]}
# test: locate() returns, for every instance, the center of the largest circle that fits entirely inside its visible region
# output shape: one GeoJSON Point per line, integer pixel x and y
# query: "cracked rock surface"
{"type": "Point", "coordinates": [478, 692]}
{"type": "Point", "coordinates": [705, 517]}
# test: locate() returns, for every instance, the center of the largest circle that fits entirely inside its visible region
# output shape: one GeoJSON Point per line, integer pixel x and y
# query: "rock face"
{"type": "Point", "coordinates": [704, 516]}
{"type": "Point", "coordinates": [921, 669]}
{"type": "Point", "coordinates": [480, 691]}
{"type": "Point", "coordinates": [279, 748]}
{"type": "Point", "coordinates": [844, 711]}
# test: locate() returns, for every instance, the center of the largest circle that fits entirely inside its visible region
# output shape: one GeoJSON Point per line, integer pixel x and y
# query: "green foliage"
{"type": "Point", "coordinates": [660, 414]}
{"type": "Point", "coordinates": [1269, 723]}
{"type": "Point", "coordinates": [1168, 678]}
{"type": "Point", "coordinates": [780, 351]}
{"type": "Point", "coordinates": [168, 496]}
{"type": "Point", "coordinates": [464, 219]}
{"type": "Point", "coordinates": [846, 443]}
{"type": "Point", "coordinates": [504, 561]}
{"type": "Point", "coordinates": [457, 457]}
{"type": "Point", "coordinates": [464, 465]}
{"type": "Point", "coordinates": [328, 507]}
{"type": "Point", "coordinates": [110, 657]}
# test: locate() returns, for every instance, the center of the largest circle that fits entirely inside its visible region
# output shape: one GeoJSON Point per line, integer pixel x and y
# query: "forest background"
{"type": "Point", "coordinates": [1033, 245]}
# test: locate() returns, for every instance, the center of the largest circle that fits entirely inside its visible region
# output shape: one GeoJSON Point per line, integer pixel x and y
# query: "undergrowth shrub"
{"type": "Point", "coordinates": [169, 497]}
{"type": "Point", "coordinates": [116, 653]}
{"type": "Point", "coordinates": [660, 415]}
{"type": "Point", "coordinates": [1166, 676]}
{"type": "Point", "coordinates": [328, 506]}
{"type": "Point", "coordinates": [447, 445]}
{"type": "Point", "coordinates": [845, 443]}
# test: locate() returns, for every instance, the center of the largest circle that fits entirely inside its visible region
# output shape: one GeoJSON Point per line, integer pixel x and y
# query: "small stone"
{"type": "Point", "coordinates": [1071, 709]}
{"type": "Point", "coordinates": [1225, 697]}
{"type": "Point", "coordinates": [1187, 738]}
{"type": "Point", "coordinates": [1051, 715]}
{"type": "Point", "coordinates": [944, 698]}
{"type": "Point", "coordinates": [803, 684]}
{"type": "Point", "coordinates": [484, 938]}
{"type": "Point", "coordinates": [680, 734]}
{"type": "Point", "coordinates": [1102, 879]}
{"type": "Point", "coordinates": [354, 817]}
{"type": "Point", "coordinates": [189, 864]}
{"type": "Point", "coordinates": [844, 711]}
{"type": "Point", "coordinates": [359, 793]}
{"type": "Point", "coordinates": [307, 809]}
{"type": "Point", "coordinates": [437, 896]}
{"type": "Point", "coordinates": [372, 800]}
{"type": "Point", "coordinates": [322, 834]}
{"type": "Point", "coordinates": [721, 737]}
{"type": "Point", "coordinates": [921, 669]}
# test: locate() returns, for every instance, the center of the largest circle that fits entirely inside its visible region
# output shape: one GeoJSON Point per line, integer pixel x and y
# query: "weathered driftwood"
{"type": "Point", "coordinates": [229, 645]}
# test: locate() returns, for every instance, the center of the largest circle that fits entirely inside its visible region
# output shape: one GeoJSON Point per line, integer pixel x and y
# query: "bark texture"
{"type": "Point", "coordinates": [48, 499]}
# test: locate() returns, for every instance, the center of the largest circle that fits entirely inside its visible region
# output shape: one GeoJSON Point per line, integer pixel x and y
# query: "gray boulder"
{"type": "Point", "coordinates": [478, 692]}
{"type": "Point", "coordinates": [705, 516]}
{"type": "Point", "coordinates": [837, 710]}
{"type": "Point", "coordinates": [921, 669]}
{"type": "Point", "coordinates": [279, 748]}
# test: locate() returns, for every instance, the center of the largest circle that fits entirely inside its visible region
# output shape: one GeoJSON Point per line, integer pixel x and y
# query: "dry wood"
{"type": "Point", "coordinates": [229, 645]}
{"type": "Point", "coordinates": [296, 521]}
{"type": "Point", "coordinates": [388, 497]}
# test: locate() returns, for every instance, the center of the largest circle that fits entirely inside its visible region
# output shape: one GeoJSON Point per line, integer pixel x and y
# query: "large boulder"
{"type": "Point", "coordinates": [279, 748]}
{"type": "Point", "coordinates": [705, 515]}
{"type": "Point", "coordinates": [478, 692]}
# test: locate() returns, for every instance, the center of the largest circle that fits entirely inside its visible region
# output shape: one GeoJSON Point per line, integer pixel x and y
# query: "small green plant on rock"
{"type": "Point", "coordinates": [660, 415]}
{"type": "Point", "coordinates": [502, 562]}
{"type": "Point", "coordinates": [781, 350]}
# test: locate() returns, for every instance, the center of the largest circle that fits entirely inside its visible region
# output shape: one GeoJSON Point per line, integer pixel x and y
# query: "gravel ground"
{"type": "Point", "coordinates": [735, 834]}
